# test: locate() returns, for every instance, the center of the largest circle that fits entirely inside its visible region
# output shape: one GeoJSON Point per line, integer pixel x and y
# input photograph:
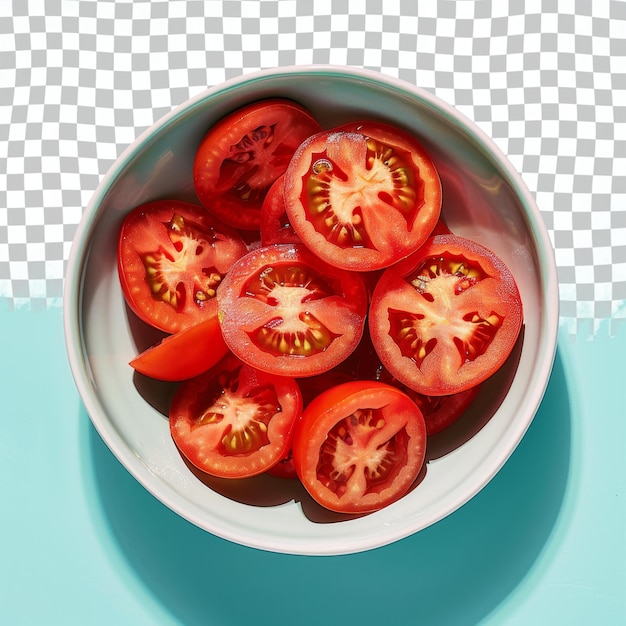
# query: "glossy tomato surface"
{"type": "Point", "coordinates": [446, 318]}
{"type": "Point", "coordinates": [359, 446]}
{"type": "Point", "coordinates": [234, 421]}
{"type": "Point", "coordinates": [285, 311]}
{"type": "Point", "coordinates": [184, 354]}
{"type": "Point", "coordinates": [275, 226]}
{"type": "Point", "coordinates": [243, 154]}
{"type": "Point", "coordinates": [172, 256]}
{"type": "Point", "coordinates": [362, 196]}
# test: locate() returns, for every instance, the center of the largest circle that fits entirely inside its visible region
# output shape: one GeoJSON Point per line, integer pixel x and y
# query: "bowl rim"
{"type": "Point", "coordinates": [74, 277]}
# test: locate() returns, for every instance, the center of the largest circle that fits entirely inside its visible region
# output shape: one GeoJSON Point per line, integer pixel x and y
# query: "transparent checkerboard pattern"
{"type": "Point", "coordinates": [546, 79]}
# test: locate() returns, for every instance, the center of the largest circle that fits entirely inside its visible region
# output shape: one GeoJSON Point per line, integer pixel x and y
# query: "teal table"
{"type": "Point", "coordinates": [81, 542]}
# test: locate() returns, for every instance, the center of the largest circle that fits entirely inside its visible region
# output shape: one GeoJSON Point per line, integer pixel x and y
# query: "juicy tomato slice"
{"type": "Point", "coordinates": [442, 411]}
{"type": "Point", "coordinates": [172, 255]}
{"type": "Point", "coordinates": [275, 226]}
{"type": "Point", "coordinates": [286, 312]}
{"type": "Point", "coordinates": [185, 354]}
{"type": "Point", "coordinates": [362, 196]}
{"type": "Point", "coordinates": [446, 318]}
{"type": "Point", "coordinates": [234, 421]}
{"type": "Point", "coordinates": [244, 153]}
{"type": "Point", "coordinates": [359, 446]}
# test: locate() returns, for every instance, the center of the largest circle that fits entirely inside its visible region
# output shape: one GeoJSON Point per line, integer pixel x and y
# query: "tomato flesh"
{"type": "Point", "coordinates": [243, 154]}
{"type": "Point", "coordinates": [362, 196]}
{"type": "Point", "coordinates": [185, 354]}
{"type": "Point", "coordinates": [235, 421]}
{"type": "Point", "coordinates": [172, 256]}
{"type": "Point", "coordinates": [359, 446]}
{"type": "Point", "coordinates": [286, 312]}
{"type": "Point", "coordinates": [446, 318]}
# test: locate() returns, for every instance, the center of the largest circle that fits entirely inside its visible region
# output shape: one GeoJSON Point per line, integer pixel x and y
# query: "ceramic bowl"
{"type": "Point", "coordinates": [484, 199]}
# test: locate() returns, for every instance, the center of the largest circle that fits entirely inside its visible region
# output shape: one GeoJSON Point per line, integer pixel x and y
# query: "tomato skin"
{"type": "Point", "coordinates": [359, 446]}
{"type": "Point", "coordinates": [241, 156]}
{"type": "Point", "coordinates": [362, 196]}
{"type": "Point", "coordinates": [234, 421]}
{"type": "Point", "coordinates": [185, 354]}
{"type": "Point", "coordinates": [170, 251]}
{"type": "Point", "coordinates": [286, 312]}
{"type": "Point", "coordinates": [446, 318]}
{"type": "Point", "coordinates": [275, 227]}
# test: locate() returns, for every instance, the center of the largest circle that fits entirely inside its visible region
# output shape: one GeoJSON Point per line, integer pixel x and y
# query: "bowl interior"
{"type": "Point", "coordinates": [483, 199]}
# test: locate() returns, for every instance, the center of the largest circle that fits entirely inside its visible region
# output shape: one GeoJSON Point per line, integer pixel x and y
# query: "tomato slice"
{"type": "Point", "coordinates": [275, 226]}
{"type": "Point", "coordinates": [359, 446]}
{"type": "Point", "coordinates": [362, 196]}
{"type": "Point", "coordinates": [244, 153]}
{"type": "Point", "coordinates": [286, 312]}
{"type": "Point", "coordinates": [442, 411]}
{"type": "Point", "coordinates": [234, 421]}
{"type": "Point", "coordinates": [185, 354]}
{"type": "Point", "coordinates": [172, 255]}
{"type": "Point", "coordinates": [446, 318]}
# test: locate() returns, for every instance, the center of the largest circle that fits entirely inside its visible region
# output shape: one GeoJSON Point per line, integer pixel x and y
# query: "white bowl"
{"type": "Point", "coordinates": [484, 199]}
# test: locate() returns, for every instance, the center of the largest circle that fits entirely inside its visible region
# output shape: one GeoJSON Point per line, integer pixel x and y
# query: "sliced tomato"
{"type": "Point", "coordinates": [359, 446]}
{"type": "Point", "coordinates": [285, 311]}
{"type": "Point", "coordinates": [442, 411]}
{"type": "Point", "coordinates": [185, 354]}
{"type": "Point", "coordinates": [172, 256]}
{"type": "Point", "coordinates": [244, 153]}
{"type": "Point", "coordinates": [275, 226]}
{"type": "Point", "coordinates": [234, 421]}
{"type": "Point", "coordinates": [362, 196]}
{"type": "Point", "coordinates": [446, 318]}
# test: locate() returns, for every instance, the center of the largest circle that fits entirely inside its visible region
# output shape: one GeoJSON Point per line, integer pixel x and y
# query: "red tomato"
{"type": "Point", "coordinates": [185, 354]}
{"type": "Point", "coordinates": [442, 411]}
{"type": "Point", "coordinates": [362, 196]}
{"type": "Point", "coordinates": [359, 446]}
{"type": "Point", "coordinates": [172, 255]}
{"type": "Point", "coordinates": [286, 312]}
{"type": "Point", "coordinates": [235, 421]}
{"type": "Point", "coordinates": [275, 226]}
{"type": "Point", "coordinates": [244, 153]}
{"type": "Point", "coordinates": [446, 318]}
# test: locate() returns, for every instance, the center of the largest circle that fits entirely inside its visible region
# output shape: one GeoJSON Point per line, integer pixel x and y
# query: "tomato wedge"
{"type": "Point", "coordinates": [234, 421]}
{"type": "Point", "coordinates": [446, 318]}
{"type": "Point", "coordinates": [362, 196]}
{"type": "Point", "coordinates": [185, 354]}
{"type": "Point", "coordinates": [359, 446]}
{"type": "Point", "coordinates": [172, 256]}
{"type": "Point", "coordinates": [286, 312]}
{"type": "Point", "coordinates": [244, 153]}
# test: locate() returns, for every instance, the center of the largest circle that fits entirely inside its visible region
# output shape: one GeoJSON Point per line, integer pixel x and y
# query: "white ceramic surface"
{"type": "Point", "coordinates": [484, 199]}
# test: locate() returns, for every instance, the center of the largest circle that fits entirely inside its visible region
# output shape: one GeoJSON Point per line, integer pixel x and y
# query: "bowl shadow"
{"type": "Point", "coordinates": [478, 555]}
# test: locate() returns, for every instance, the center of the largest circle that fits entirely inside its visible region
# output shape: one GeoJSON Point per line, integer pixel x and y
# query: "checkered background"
{"type": "Point", "coordinates": [80, 79]}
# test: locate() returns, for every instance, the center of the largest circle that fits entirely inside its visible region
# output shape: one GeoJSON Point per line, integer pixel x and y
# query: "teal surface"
{"type": "Point", "coordinates": [82, 543]}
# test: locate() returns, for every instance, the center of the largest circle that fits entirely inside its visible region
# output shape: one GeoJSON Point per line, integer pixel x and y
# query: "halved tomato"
{"type": "Point", "coordinates": [285, 311]}
{"type": "Point", "coordinates": [184, 354]}
{"type": "Point", "coordinates": [235, 421]}
{"type": "Point", "coordinates": [359, 446]}
{"type": "Point", "coordinates": [446, 318]}
{"type": "Point", "coordinates": [244, 153]}
{"type": "Point", "coordinates": [362, 196]}
{"type": "Point", "coordinates": [172, 256]}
